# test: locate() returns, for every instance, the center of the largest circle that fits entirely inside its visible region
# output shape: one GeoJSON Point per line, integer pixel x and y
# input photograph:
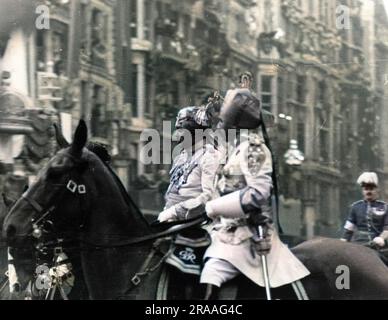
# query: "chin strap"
{"type": "Point", "coordinates": [274, 172]}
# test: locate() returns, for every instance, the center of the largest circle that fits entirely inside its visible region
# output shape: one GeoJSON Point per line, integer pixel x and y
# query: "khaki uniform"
{"type": "Point", "coordinates": [248, 170]}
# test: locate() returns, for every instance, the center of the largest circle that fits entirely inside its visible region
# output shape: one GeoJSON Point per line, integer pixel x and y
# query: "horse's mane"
{"type": "Point", "coordinates": [133, 208]}
{"type": "Point", "coordinates": [104, 156]}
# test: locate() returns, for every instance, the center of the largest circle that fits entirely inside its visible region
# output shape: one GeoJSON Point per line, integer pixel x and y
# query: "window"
{"type": "Point", "coordinates": [133, 98]}
{"type": "Point", "coordinates": [187, 28]}
{"type": "Point", "coordinates": [200, 33]}
{"type": "Point", "coordinates": [266, 92]}
{"type": "Point", "coordinates": [321, 92]}
{"type": "Point", "coordinates": [148, 94]}
{"type": "Point", "coordinates": [344, 54]}
{"type": "Point", "coordinates": [281, 94]}
{"type": "Point", "coordinates": [133, 13]}
{"type": "Point", "coordinates": [338, 150]}
{"type": "Point", "coordinates": [172, 14]}
{"type": "Point", "coordinates": [324, 143]}
{"type": "Point", "coordinates": [115, 138]}
{"type": "Point", "coordinates": [324, 203]}
{"type": "Point", "coordinates": [84, 97]}
{"type": "Point", "coordinates": [174, 93]}
{"type": "Point", "coordinates": [213, 37]}
{"type": "Point", "coordinates": [58, 50]}
{"type": "Point", "coordinates": [83, 28]}
{"type": "Point", "coordinates": [98, 112]}
{"type": "Point", "coordinates": [40, 50]}
{"type": "Point", "coordinates": [59, 39]}
{"type": "Point", "coordinates": [241, 28]}
{"type": "Point", "coordinates": [300, 89]}
{"type": "Point", "coordinates": [133, 164]}
{"type": "Point", "coordinates": [301, 136]}
{"type": "Point", "coordinates": [357, 31]}
{"type": "Point", "coordinates": [291, 86]}
{"type": "Point", "coordinates": [148, 19]}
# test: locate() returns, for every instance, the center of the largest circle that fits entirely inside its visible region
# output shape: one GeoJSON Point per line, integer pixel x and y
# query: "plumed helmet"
{"type": "Point", "coordinates": [368, 178]}
{"type": "Point", "coordinates": [245, 76]}
{"type": "Point", "coordinates": [241, 110]}
{"type": "Point", "coordinates": [100, 149]}
{"type": "Point", "coordinates": [193, 118]}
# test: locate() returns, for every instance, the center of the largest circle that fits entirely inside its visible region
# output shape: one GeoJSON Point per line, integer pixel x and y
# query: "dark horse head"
{"type": "Point", "coordinates": [84, 201]}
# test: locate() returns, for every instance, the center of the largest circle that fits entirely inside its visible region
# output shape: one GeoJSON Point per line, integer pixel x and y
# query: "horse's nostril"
{"type": "Point", "coordinates": [10, 232]}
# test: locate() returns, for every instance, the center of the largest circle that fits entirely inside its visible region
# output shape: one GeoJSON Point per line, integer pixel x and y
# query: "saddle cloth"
{"type": "Point", "coordinates": [187, 253]}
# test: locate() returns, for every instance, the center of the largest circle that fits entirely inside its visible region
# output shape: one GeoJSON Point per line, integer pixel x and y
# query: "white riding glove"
{"type": "Point", "coordinates": [168, 214]}
{"type": "Point", "coordinates": [379, 241]}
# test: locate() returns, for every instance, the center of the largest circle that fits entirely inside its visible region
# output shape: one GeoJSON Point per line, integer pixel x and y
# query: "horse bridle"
{"type": "Point", "coordinates": [43, 213]}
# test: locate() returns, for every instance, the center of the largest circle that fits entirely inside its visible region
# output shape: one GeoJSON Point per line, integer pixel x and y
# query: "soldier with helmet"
{"type": "Point", "coordinates": [191, 186]}
{"type": "Point", "coordinates": [244, 186]}
{"type": "Point", "coordinates": [367, 220]}
{"type": "Point", "coordinates": [193, 170]}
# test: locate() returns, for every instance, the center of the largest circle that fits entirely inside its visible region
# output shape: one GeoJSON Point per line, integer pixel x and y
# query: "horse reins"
{"type": "Point", "coordinates": [170, 231]}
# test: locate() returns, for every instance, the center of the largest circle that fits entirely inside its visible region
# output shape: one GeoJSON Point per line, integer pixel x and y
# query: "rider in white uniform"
{"type": "Point", "coordinates": [244, 187]}
{"type": "Point", "coordinates": [193, 171]}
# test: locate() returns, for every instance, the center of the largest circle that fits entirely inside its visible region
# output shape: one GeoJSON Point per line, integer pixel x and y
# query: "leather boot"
{"type": "Point", "coordinates": [211, 292]}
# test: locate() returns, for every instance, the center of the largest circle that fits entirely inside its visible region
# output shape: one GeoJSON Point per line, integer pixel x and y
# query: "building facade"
{"type": "Point", "coordinates": [323, 77]}
{"type": "Point", "coordinates": [71, 63]}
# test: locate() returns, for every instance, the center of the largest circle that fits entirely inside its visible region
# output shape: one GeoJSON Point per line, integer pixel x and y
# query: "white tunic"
{"type": "Point", "coordinates": [192, 179]}
{"type": "Point", "coordinates": [249, 170]}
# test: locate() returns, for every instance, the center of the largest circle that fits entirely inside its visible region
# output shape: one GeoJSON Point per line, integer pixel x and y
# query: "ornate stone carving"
{"type": "Point", "coordinates": [69, 93]}
{"type": "Point", "coordinates": [98, 43]}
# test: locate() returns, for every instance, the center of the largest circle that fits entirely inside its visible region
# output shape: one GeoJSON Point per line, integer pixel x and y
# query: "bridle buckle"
{"type": "Point", "coordinates": [81, 189]}
{"type": "Point", "coordinates": [58, 251]}
{"type": "Point", "coordinates": [71, 186]}
{"type": "Point", "coordinates": [136, 280]}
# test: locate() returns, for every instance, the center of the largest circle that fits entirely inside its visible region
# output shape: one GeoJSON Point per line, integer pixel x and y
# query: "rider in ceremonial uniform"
{"type": "Point", "coordinates": [367, 221]}
{"type": "Point", "coordinates": [193, 170]}
{"type": "Point", "coordinates": [191, 186]}
{"type": "Point", "coordinates": [244, 186]}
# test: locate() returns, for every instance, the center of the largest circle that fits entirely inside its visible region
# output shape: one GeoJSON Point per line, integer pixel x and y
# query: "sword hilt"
{"type": "Point", "coordinates": [261, 232]}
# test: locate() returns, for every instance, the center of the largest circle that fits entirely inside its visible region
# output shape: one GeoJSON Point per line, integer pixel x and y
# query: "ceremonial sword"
{"type": "Point", "coordinates": [265, 267]}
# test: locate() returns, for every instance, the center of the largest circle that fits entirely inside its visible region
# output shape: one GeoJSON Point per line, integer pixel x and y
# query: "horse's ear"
{"type": "Point", "coordinates": [62, 142]}
{"type": "Point", "coordinates": [80, 138]}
